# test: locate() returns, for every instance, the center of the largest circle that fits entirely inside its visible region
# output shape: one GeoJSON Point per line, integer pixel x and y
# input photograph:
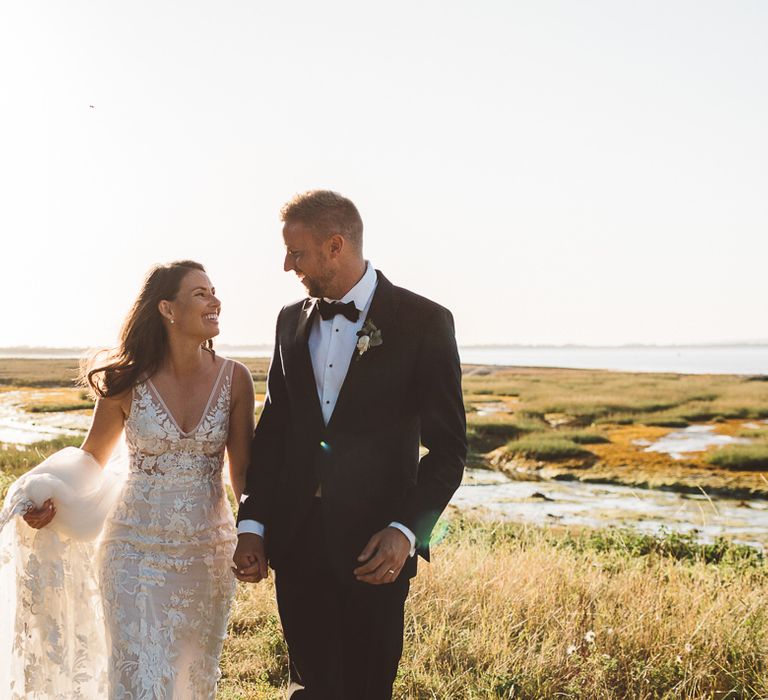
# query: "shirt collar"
{"type": "Point", "coordinates": [362, 292]}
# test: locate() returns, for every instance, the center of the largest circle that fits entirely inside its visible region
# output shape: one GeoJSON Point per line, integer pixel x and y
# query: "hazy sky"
{"type": "Point", "coordinates": [564, 172]}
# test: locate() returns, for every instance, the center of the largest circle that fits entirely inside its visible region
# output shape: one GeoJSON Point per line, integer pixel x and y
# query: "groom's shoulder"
{"type": "Point", "coordinates": [293, 308]}
{"type": "Point", "coordinates": [420, 308]}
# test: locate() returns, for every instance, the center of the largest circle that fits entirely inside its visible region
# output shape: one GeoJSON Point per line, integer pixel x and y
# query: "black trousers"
{"type": "Point", "coordinates": [344, 639]}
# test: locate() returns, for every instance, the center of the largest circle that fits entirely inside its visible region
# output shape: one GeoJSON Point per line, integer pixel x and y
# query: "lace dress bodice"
{"type": "Point", "coordinates": [158, 446]}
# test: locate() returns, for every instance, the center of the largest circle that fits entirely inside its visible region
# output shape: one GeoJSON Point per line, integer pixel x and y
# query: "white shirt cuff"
{"type": "Point", "coordinates": [251, 527]}
{"type": "Point", "coordinates": [411, 537]}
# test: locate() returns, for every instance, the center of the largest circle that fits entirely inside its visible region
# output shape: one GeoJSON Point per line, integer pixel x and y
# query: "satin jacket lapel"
{"type": "Point", "coordinates": [304, 378]}
{"type": "Point", "coordinates": [382, 314]}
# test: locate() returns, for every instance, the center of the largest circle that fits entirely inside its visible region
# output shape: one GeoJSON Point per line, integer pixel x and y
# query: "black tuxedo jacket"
{"type": "Point", "coordinates": [405, 391]}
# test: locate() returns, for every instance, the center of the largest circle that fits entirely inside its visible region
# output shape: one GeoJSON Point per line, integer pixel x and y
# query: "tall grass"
{"type": "Point", "coordinates": [512, 612]}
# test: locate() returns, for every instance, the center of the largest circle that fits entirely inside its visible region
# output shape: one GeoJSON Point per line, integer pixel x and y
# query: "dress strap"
{"type": "Point", "coordinates": [225, 381]}
{"type": "Point", "coordinates": [229, 373]}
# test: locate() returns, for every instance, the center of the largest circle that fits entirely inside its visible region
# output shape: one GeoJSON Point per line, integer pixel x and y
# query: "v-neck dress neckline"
{"type": "Point", "coordinates": [185, 433]}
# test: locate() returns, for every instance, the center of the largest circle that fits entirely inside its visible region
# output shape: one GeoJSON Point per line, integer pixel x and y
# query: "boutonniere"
{"type": "Point", "coordinates": [368, 337]}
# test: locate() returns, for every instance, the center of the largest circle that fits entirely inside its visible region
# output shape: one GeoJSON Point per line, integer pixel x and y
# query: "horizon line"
{"type": "Point", "coordinates": [467, 346]}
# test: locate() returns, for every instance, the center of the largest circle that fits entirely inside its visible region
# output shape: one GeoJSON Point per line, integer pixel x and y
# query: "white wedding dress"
{"type": "Point", "coordinates": [141, 612]}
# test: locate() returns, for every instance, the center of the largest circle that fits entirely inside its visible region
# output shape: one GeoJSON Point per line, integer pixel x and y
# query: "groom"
{"type": "Point", "coordinates": [338, 499]}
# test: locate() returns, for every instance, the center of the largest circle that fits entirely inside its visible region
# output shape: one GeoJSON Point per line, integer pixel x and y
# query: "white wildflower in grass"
{"type": "Point", "coordinates": [589, 637]}
{"type": "Point", "coordinates": [678, 659]}
{"type": "Point", "coordinates": [688, 647]}
{"type": "Point", "coordinates": [571, 650]}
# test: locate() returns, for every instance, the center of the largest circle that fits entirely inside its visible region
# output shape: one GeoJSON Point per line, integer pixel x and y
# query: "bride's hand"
{"type": "Point", "coordinates": [250, 558]}
{"type": "Point", "coordinates": [40, 517]}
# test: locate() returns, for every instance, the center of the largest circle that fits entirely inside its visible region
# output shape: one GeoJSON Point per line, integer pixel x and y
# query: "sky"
{"type": "Point", "coordinates": [552, 171]}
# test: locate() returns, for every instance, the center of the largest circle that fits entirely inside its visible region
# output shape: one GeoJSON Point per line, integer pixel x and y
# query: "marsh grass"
{"type": "Point", "coordinates": [564, 407]}
{"type": "Point", "coordinates": [548, 448]}
{"type": "Point", "coordinates": [741, 457]}
{"type": "Point", "coordinates": [661, 419]}
{"type": "Point", "coordinates": [35, 372]}
{"type": "Point", "coordinates": [759, 433]}
{"type": "Point", "coordinates": [753, 457]}
{"type": "Point", "coordinates": [486, 433]}
{"type": "Point", "coordinates": [59, 407]}
{"type": "Point", "coordinates": [507, 611]}
{"type": "Point", "coordinates": [583, 437]}
{"type": "Point", "coordinates": [38, 372]}
{"type": "Point", "coordinates": [591, 395]}
{"type": "Point", "coordinates": [58, 400]}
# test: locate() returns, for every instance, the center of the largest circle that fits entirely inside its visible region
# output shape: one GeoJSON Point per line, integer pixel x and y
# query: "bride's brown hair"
{"type": "Point", "coordinates": [143, 338]}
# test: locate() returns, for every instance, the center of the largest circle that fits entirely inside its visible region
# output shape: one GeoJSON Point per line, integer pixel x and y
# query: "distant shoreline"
{"type": "Point", "coordinates": [736, 359]}
{"type": "Point", "coordinates": [28, 351]}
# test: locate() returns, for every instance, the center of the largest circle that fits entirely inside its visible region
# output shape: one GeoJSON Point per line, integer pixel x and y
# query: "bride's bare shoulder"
{"type": "Point", "coordinates": [242, 380]}
{"type": "Point", "coordinates": [121, 402]}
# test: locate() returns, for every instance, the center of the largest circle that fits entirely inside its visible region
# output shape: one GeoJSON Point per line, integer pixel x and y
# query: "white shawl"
{"type": "Point", "coordinates": [52, 636]}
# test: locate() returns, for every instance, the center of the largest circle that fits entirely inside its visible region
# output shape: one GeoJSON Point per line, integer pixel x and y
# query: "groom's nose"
{"type": "Point", "coordinates": [288, 263]}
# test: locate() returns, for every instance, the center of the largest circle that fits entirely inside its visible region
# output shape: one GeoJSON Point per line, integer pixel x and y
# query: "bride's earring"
{"type": "Point", "coordinates": [172, 321]}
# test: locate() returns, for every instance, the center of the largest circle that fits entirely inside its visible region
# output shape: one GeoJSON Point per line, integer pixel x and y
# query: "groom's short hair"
{"type": "Point", "coordinates": [325, 212]}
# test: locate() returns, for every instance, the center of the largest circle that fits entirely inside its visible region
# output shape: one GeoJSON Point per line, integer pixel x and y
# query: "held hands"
{"type": "Point", "coordinates": [250, 558]}
{"type": "Point", "coordinates": [40, 517]}
{"type": "Point", "coordinates": [384, 557]}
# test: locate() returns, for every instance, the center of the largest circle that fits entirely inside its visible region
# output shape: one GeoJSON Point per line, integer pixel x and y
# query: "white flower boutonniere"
{"type": "Point", "coordinates": [368, 337]}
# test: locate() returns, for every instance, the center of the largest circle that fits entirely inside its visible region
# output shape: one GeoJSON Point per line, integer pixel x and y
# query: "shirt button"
{"type": "Point", "coordinates": [327, 402]}
{"type": "Point", "coordinates": [330, 365]}
{"type": "Point", "coordinates": [337, 330]}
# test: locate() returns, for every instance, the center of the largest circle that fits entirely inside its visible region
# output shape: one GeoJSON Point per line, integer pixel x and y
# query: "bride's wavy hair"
{"type": "Point", "coordinates": [143, 338]}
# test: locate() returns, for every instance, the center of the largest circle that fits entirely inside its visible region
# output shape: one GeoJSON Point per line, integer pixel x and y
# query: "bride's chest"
{"type": "Point", "coordinates": [151, 428]}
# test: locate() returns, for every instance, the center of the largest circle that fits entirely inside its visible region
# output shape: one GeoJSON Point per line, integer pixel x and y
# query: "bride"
{"type": "Point", "coordinates": [163, 556]}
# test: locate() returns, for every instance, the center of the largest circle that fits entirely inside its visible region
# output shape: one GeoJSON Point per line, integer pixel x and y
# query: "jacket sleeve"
{"type": "Point", "coordinates": [267, 446]}
{"type": "Point", "coordinates": [443, 429]}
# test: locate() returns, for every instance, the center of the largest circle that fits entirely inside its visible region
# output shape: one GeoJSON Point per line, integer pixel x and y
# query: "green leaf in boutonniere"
{"type": "Point", "coordinates": [368, 337]}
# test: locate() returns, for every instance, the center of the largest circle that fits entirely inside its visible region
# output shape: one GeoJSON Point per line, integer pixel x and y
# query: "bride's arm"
{"type": "Point", "coordinates": [241, 422]}
{"type": "Point", "coordinates": [106, 427]}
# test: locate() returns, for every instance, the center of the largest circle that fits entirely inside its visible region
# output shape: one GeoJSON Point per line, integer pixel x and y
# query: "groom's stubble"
{"type": "Point", "coordinates": [319, 284]}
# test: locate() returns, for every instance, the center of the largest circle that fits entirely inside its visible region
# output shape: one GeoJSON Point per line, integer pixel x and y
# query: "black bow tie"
{"type": "Point", "coordinates": [328, 309]}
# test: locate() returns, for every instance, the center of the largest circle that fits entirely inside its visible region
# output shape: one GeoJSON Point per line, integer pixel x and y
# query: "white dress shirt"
{"type": "Point", "coordinates": [331, 345]}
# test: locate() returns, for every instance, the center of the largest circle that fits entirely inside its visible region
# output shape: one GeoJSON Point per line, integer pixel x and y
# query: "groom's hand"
{"type": "Point", "coordinates": [384, 556]}
{"type": "Point", "coordinates": [250, 558]}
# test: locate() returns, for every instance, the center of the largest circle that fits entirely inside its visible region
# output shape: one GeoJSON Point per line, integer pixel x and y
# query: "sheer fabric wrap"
{"type": "Point", "coordinates": [51, 618]}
